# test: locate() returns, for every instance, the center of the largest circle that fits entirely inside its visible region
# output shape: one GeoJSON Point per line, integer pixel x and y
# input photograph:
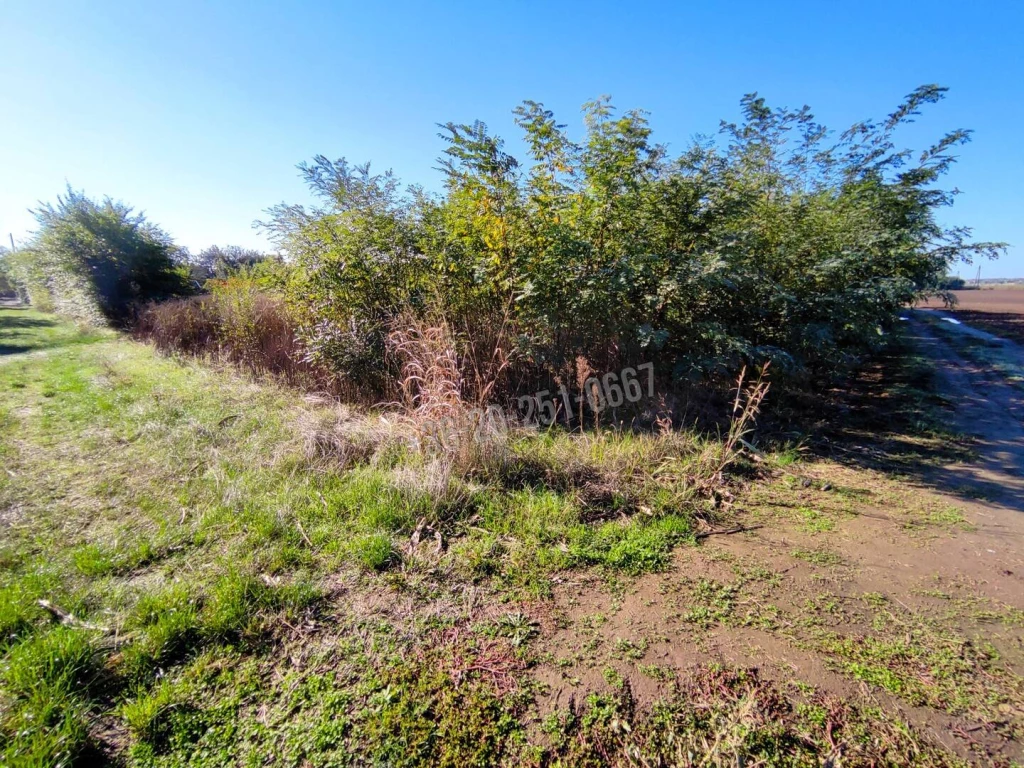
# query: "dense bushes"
{"type": "Point", "coordinates": [777, 243]}
{"type": "Point", "coordinates": [952, 283]}
{"type": "Point", "coordinates": [221, 262]}
{"type": "Point", "coordinates": [96, 261]}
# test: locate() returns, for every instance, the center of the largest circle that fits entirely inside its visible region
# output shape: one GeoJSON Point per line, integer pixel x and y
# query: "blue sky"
{"type": "Point", "coordinates": [198, 112]}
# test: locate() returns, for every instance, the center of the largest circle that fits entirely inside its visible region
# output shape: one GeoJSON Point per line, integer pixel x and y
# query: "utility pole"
{"type": "Point", "coordinates": [12, 242]}
{"type": "Point", "coordinates": [977, 282]}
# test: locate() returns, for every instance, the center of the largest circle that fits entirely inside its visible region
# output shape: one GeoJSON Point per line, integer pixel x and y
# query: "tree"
{"type": "Point", "coordinates": [222, 261]}
{"type": "Point", "coordinates": [8, 283]}
{"type": "Point", "coordinates": [100, 259]}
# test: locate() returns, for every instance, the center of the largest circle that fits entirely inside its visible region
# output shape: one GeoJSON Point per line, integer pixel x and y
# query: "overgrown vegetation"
{"type": "Point", "coordinates": [230, 571]}
{"type": "Point", "coordinates": [245, 507]}
{"type": "Point", "coordinates": [8, 286]}
{"type": "Point", "coordinates": [204, 566]}
{"type": "Point", "coordinates": [236, 321]}
{"type": "Point", "coordinates": [779, 243]}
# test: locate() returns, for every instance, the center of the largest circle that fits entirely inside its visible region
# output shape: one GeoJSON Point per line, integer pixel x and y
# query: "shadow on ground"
{"type": "Point", "coordinates": [946, 422]}
{"type": "Point", "coordinates": [13, 337]}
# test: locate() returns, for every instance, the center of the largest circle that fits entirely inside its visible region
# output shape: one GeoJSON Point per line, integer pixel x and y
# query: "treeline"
{"type": "Point", "coordinates": [780, 242]}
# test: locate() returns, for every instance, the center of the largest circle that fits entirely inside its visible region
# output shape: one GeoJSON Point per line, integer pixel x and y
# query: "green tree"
{"type": "Point", "coordinates": [101, 259]}
{"type": "Point", "coordinates": [8, 284]}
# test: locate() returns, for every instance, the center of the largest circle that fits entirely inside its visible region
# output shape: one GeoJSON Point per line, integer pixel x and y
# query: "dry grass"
{"type": "Point", "coordinates": [249, 329]}
{"type": "Point", "coordinates": [337, 435]}
{"type": "Point", "coordinates": [447, 425]}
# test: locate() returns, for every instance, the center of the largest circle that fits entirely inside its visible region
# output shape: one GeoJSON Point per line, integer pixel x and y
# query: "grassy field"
{"type": "Point", "coordinates": [201, 569]}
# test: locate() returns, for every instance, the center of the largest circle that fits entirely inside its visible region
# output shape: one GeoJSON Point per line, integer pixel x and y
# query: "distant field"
{"type": "Point", "coordinates": [997, 310]}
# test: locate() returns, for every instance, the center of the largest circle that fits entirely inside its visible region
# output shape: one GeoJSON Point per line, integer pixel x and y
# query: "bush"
{"type": "Point", "coordinates": [218, 262]}
{"type": "Point", "coordinates": [8, 284]}
{"type": "Point", "coordinates": [26, 271]}
{"type": "Point", "coordinates": [951, 283]}
{"type": "Point", "coordinates": [776, 244]}
{"type": "Point", "coordinates": [96, 261]}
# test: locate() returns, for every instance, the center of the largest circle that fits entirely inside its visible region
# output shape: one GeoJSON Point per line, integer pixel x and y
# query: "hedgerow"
{"type": "Point", "coordinates": [778, 242]}
{"type": "Point", "coordinates": [96, 261]}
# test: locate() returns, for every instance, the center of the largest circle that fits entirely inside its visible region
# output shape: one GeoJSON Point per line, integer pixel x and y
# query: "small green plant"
{"type": "Point", "coordinates": [820, 557]}
{"type": "Point", "coordinates": [374, 551]}
{"type": "Point", "coordinates": [517, 627]}
{"type": "Point", "coordinates": [814, 521]}
{"type": "Point", "coordinates": [626, 648]}
{"type": "Point", "coordinates": [145, 713]}
{"type": "Point", "coordinates": [612, 677]}
{"type": "Point", "coordinates": [711, 603]}
{"type": "Point", "coordinates": [657, 672]}
{"type": "Point", "coordinates": [635, 547]}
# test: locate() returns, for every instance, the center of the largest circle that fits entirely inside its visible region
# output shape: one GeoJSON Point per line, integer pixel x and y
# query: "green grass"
{"type": "Point", "coordinates": [820, 557]}
{"type": "Point", "coordinates": [927, 667]}
{"type": "Point", "coordinates": [25, 330]}
{"type": "Point", "coordinates": [174, 505]}
{"type": "Point", "coordinates": [722, 717]}
{"type": "Point", "coordinates": [240, 599]}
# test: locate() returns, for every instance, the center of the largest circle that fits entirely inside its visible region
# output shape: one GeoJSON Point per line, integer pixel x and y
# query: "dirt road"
{"type": "Point", "coordinates": [985, 405]}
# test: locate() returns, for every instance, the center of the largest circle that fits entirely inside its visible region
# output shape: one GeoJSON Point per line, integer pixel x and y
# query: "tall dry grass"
{"type": "Point", "coordinates": [249, 329]}
{"type": "Point", "coordinates": [434, 398]}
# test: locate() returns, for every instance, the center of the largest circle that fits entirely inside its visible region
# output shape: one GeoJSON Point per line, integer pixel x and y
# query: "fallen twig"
{"type": "Point", "coordinates": [69, 618]}
{"type": "Point", "coordinates": [727, 531]}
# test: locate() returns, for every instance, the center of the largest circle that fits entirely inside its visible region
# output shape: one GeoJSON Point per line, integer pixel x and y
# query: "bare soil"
{"type": "Point", "coordinates": [996, 310]}
{"type": "Point", "coordinates": [844, 551]}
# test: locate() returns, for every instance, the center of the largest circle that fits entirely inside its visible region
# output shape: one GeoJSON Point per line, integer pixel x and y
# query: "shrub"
{"type": "Point", "coordinates": [236, 323]}
{"type": "Point", "coordinates": [775, 244]}
{"type": "Point", "coordinates": [96, 261]}
{"type": "Point", "coordinates": [218, 262]}
{"type": "Point", "coordinates": [8, 283]}
{"type": "Point", "coordinates": [27, 273]}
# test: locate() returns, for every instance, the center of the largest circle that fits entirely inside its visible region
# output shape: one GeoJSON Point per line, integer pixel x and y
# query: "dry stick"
{"type": "Point", "coordinates": [69, 618]}
{"type": "Point", "coordinates": [305, 538]}
{"type": "Point", "coordinates": [727, 531]}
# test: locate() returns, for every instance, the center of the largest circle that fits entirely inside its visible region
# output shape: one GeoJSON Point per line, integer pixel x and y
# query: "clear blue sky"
{"type": "Point", "coordinates": [198, 112]}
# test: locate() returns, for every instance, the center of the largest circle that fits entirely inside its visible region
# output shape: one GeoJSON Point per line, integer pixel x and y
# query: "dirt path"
{"type": "Point", "coordinates": [861, 583]}
{"type": "Point", "coordinates": [986, 407]}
